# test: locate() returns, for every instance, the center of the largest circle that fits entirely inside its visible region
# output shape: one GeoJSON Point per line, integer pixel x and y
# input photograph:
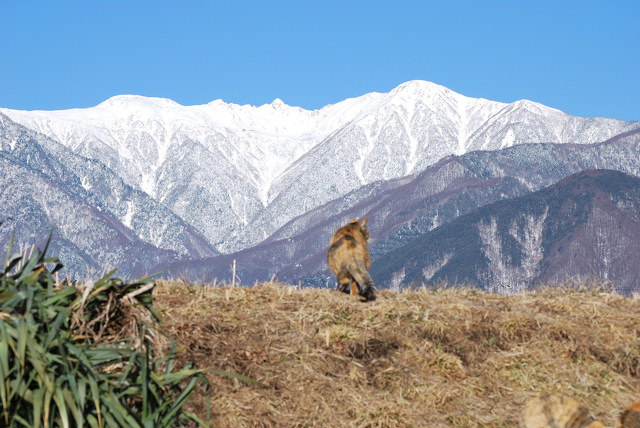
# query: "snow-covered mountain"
{"type": "Point", "coordinates": [238, 173]}
{"type": "Point", "coordinates": [405, 209]}
{"type": "Point", "coordinates": [213, 165]}
{"type": "Point", "coordinates": [99, 222]}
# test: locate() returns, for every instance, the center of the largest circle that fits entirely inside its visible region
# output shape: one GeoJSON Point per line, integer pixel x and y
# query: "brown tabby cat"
{"type": "Point", "coordinates": [630, 418]}
{"type": "Point", "coordinates": [349, 259]}
{"type": "Point", "coordinates": [557, 411]}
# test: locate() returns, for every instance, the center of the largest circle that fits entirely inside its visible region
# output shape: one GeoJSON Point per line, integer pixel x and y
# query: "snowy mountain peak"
{"type": "Point", "coordinates": [421, 90]}
{"type": "Point", "coordinates": [535, 108]}
{"type": "Point", "coordinates": [422, 86]}
{"type": "Point", "coordinates": [139, 101]}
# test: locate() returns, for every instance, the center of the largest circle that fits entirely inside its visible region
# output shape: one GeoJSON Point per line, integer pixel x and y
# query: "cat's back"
{"type": "Point", "coordinates": [556, 411]}
{"type": "Point", "coordinates": [630, 417]}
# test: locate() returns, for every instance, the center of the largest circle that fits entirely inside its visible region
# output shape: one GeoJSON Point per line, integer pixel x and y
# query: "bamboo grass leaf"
{"type": "Point", "coordinates": [55, 328]}
{"type": "Point", "coordinates": [20, 419]}
{"type": "Point", "coordinates": [234, 375]}
{"type": "Point", "coordinates": [130, 365]}
{"type": "Point", "coordinates": [29, 267]}
{"type": "Point", "coordinates": [111, 422]}
{"type": "Point", "coordinates": [58, 398]}
{"type": "Point", "coordinates": [145, 381]}
{"type": "Point", "coordinates": [61, 297]}
{"type": "Point", "coordinates": [72, 404]}
{"type": "Point", "coordinates": [170, 359]}
{"type": "Point", "coordinates": [41, 257]}
{"type": "Point", "coordinates": [50, 377]}
{"type": "Point", "coordinates": [4, 369]}
{"type": "Point", "coordinates": [119, 412]}
{"type": "Point", "coordinates": [92, 421]}
{"type": "Point", "coordinates": [81, 390]}
{"type": "Point", "coordinates": [95, 395]}
{"type": "Point", "coordinates": [179, 376]}
{"type": "Point", "coordinates": [38, 405]}
{"type": "Point", "coordinates": [179, 402]}
{"type": "Point", "coordinates": [8, 260]}
{"type": "Point", "coordinates": [48, 396]}
{"type": "Point", "coordinates": [22, 341]}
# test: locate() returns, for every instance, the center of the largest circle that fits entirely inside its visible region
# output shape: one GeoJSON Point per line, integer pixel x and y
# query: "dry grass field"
{"type": "Point", "coordinates": [423, 358]}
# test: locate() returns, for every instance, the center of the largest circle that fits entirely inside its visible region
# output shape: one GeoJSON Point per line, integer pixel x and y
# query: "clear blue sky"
{"type": "Point", "coordinates": [582, 57]}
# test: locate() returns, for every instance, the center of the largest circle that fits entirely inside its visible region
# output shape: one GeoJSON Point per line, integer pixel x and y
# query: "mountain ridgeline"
{"type": "Point", "coordinates": [585, 226]}
{"type": "Point", "coordinates": [145, 184]}
{"type": "Point", "coordinates": [402, 210]}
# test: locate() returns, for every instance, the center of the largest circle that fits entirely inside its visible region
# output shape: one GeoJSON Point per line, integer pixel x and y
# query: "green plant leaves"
{"type": "Point", "coordinates": [53, 375]}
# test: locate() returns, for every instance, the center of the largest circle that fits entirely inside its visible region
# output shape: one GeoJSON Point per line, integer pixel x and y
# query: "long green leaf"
{"type": "Point", "coordinates": [81, 391]}
{"type": "Point", "coordinates": [169, 419]}
{"type": "Point", "coordinates": [41, 259]}
{"type": "Point", "coordinates": [48, 396]}
{"type": "Point", "coordinates": [119, 412]}
{"type": "Point", "coordinates": [8, 260]}
{"type": "Point", "coordinates": [61, 297]}
{"type": "Point", "coordinates": [21, 420]}
{"type": "Point", "coordinates": [58, 398]}
{"type": "Point", "coordinates": [234, 375]}
{"type": "Point", "coordinates": [22, 340]}
{"type": "Point", "coordinates": [72, 404]}
{"type": "Point", "coordinates": [4, 368]}
{"type": "Point", "coordinates": [54, 330]}
{"type": "Point", "coordinates": [38, 405]}
{"type": "Point", "coordinates": [93, 422]}
{"type": "Point", "coordinates": [28, 268]}
{"type": "Point", "coordinates": [145, 381]}
{"type": "Point", "coordinates": [110, 420]}
{"type": "Point", "coordinates": [95, 395]}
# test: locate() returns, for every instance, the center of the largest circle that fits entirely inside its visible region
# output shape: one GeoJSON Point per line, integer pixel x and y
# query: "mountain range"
{"type": "Point", "coordinates": [402, 210]}
{"type": "Point", "coordinates": [585, 226]}
{"type": "Point", "coordinates": [194, 187]}
{"type": "Point", "coordinates": [98, 221]}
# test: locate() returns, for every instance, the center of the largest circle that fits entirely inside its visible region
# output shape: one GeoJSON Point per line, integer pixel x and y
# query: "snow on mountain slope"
{"type": "Point", "coordinates": [238, 173]}
{"type": "Point", "coordinates": [212, 165]}
{"type": "Point", "coordinates": [411, 128]}
{"type": "Point", "coordinates": [137, 133]}
{"type": "Point", "coordinates": [98, 220]}
{"type": "Point", "coordinates": [403, 209]}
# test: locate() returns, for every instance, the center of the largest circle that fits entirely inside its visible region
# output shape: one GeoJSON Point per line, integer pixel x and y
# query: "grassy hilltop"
{"type": "Point", "coordinates": [451, 357]}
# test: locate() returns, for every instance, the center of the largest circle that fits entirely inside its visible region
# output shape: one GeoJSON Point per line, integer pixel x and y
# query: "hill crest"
{"type": "Point", "coordinates": [446, 357]}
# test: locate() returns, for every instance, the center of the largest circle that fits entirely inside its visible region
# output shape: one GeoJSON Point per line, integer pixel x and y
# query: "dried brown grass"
{"type": "Point", "coordinates": [115, 317]}
{"type": "Point", "coordinates": [451, 357]}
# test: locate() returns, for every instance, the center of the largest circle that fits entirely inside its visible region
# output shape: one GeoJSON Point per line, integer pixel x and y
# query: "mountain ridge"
{"type": "Point", "coordinates": [42, 180]}
{"type": "Point", "coordinates": [160, 119]}
{"type": "Point", "coordinates": [236, 179]}
{"type": "Point", "coordinates": [587, 224]}
{"type": "Point", "coordinates": [403, 209]}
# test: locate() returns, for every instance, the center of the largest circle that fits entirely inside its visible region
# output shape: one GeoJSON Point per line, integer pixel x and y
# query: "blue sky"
{"type": "Point", "coordinates": [582, 57]}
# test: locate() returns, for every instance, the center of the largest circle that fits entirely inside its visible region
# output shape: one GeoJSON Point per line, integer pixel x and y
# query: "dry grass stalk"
{"type": "Point", "coordinates": [115, 317]}
{"type": "Point", "coordinates": [448, 357]}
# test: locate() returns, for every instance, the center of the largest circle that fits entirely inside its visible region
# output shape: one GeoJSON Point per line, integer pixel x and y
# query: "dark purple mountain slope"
{"type": "Point", "coordinates": [401, 210]}
{"type": "Point", "coordinates": [587, 225]}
